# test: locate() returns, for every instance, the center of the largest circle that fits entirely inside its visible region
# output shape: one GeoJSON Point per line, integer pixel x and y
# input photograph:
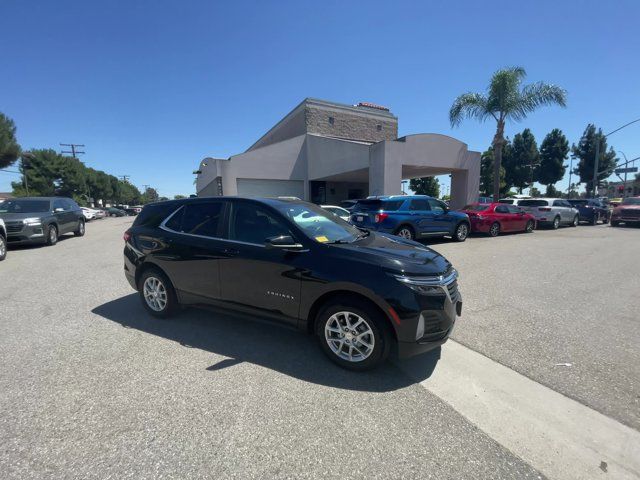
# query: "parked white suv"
{"type": "Point", "coordinates": [551, 212]}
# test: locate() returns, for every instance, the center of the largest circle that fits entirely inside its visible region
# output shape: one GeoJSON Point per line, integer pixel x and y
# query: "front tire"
{"type": "Point", "coordinates": [353, 334]}
{"type": "Point", "coordinates": [157, 294]}
{"type": "Point", "coordinates": [406, 232]}
{"type": "Point", "coordinates": [52, 235]}
{"type": "Point", "coordinates": [461, 232]}
{"type": "Point", "coordinates": [576, 221]}
{"type": "Point", "coordinates": [79, 232]}
{"type": "Point", "coordinates": [3, 248]}
{"type": "Point", "coordinates": [494, 230]}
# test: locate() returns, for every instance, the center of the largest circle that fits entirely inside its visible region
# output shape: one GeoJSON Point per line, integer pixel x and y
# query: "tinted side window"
{"type": "Point", "coordinates": [502, 209]}
{"type": "Point", "coordinates": [437, 206]}
{"type": "Point", "coordinates": [201, 219]}
{"type": "Point", "coordinates": [392, 205]}
{"type": "Point", "coordinates": [253, 224]}
{"type": "Point", "coordinates": [417, 204]}
{"type": "Point", "coordinates": [558, 203]}
{"type": "Point", "coordinates": [514, 209]}
{"type": "Point", "coordinates": [70, 204]}
{"type": "Point", "coordinates": [153, 215]}
{"type": "Point", "coordinates": [58, 203]}
{"type": "Point", "coordinates": [533, 203]}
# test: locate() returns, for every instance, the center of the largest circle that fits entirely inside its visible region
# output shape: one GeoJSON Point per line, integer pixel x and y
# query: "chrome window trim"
{"type": "Point", "coordinates": [164, 227]}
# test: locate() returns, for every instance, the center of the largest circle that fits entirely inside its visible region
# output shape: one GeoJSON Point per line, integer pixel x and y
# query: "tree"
{"type": "Point", "coordinates": [150, 195]}
{"type": "Point", "coordinates": [585, 151]}
{"type": "Point", "coordinates": [553, 152]}
{"type": "Point", "coordinates": [553, 192]}
{"type": "Point", "coordinates": [505, 100]}
{"type": "Point", "coordinates": [425, 186]}
{"type": "Point", "coordinates": [179, 197]}
{"type": "Point", "coordinates": [9, 148]}
{"type": "Point", "coordinates": [534, 192]}
{"type": "Point", "coordinates": [486, 173]}
{"type": "Point", "coordinates": [522, 161]}
{"type": "Point", "coordinates": [38, 170]}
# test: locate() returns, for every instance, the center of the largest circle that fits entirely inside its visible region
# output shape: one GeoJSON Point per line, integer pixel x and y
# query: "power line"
{"type": "Point", "coordinates": [73, 151]}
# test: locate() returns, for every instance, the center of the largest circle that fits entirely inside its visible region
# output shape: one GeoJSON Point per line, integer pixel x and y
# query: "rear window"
{"type": "Point", "coordinates": [476, 208]}
{"type": "Point", "coordinates": [533, 203]}
{"type": "Point", "coordinates": [375, 205]}
{"type": "Point", "coordinates": [153, 215]}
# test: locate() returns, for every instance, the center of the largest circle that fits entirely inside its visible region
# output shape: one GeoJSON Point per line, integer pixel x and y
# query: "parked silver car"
{"type": "Point", "coordinates": [551, 212]}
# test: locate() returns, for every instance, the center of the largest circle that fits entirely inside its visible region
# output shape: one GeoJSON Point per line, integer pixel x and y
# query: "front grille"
{"type": "Point", "coordinates": [630, 212]}
{"type": "Point", "coordinates": [14, 228]}
{"type": "Point", "coordinates": [452, 288]}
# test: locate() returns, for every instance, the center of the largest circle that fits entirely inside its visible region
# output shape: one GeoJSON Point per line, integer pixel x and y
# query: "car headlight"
{"type": "Point", "coordinates": [423, 285]}
{"type": "Point", "coordinates": [32, 221]}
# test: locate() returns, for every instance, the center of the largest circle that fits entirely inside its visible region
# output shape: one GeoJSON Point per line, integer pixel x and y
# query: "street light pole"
{"type": "Point", "coordinates": [597, 159]}
{"type": "Point", "coordinates": [626, 164]}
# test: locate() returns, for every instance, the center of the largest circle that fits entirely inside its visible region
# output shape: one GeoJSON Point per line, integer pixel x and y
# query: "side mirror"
{"type": "Point", "coordinates": [58, 210]}
{"type": "Point", "coordinates": [283, 242]}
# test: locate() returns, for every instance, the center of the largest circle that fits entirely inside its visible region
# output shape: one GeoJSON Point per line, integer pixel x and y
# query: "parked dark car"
{"type": "Point", "coordinates": [116, 212]}
{"type": "Point", "coordinates": [591, 210]}
{"type": "Point", "coordinates": [411, 217]}
{"type": "Point", "coordinates": [41, 219]}
{"type": "Point", "coordinates": [3, 240]}
{"type": "Point", "coordinates": [360, 292]}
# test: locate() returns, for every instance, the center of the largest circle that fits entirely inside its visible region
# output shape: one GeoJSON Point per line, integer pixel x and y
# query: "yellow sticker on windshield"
{"type": "Point", "coordinates": [322, 239]}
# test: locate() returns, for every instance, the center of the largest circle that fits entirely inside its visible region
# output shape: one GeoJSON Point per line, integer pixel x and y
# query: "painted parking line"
{"type": "Point", "coordinates": [556, 435]}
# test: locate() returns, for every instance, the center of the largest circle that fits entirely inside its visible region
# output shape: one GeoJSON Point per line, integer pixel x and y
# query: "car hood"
{"type": "Point", "coordinates": [11, 217]}
{"type": "Point", "coordinates": [626, 207]}
{"type": "Point", "coordinates": [396, 254]}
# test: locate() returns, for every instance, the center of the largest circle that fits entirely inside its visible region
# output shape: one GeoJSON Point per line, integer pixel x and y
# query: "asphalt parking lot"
{"type": "Point", "coordinates": [92, 387]}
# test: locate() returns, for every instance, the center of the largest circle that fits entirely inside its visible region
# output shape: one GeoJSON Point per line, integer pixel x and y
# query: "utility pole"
{"type": "Point", "coordinates": [124, 178]}
{"type": "Point", "coordinates": [597, 159]}
{"type": "Point", "coordinates": [570, 172]}
{"type": "Point", "coordinates": [74, 152]}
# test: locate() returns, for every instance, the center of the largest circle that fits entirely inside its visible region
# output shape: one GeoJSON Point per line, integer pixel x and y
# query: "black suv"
{"type": "Point", "coordinates": [41, 219]}
{"type": "Point", "coordinates": [360, 292]}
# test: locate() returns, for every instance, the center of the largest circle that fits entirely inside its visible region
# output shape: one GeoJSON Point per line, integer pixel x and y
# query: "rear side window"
{"type": "Point", "coordinates": [533, 203]}
{"type": "Point", "coordinates": [201, 219]}
{"type": "Point", "coordinates": [419, 204]}
{"type": "Point", "coordinates": [153, 215]}
{"type": "Point", "coordinates": [392, 205]}
{"type": "Point", "coordinates": [502, 209]}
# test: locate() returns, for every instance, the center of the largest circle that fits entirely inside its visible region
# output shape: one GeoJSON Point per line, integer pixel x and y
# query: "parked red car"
{"type": "Point", "coordinates": [493, 218]}
{"type": "Point", "coordinates": [628, 212]}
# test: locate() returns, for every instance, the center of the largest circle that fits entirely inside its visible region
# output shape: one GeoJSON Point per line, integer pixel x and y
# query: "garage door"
{"type": "Point", "coordinates": [253, 187]}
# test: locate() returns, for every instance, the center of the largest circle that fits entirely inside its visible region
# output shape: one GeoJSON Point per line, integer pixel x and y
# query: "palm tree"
{"type": "Point", "coordinates": [505, 100]}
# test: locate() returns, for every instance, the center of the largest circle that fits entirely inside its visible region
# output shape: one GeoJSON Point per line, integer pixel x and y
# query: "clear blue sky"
{"type": "Point", "coordinates": [152, 87]}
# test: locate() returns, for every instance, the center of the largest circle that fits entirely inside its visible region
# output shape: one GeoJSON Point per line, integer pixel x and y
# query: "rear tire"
{"type": "Point", "coordinates": [529, 227]}
{"type": "Point", "coordinates": [52, 235]}
{"type": "Point", "coordinates": [406, 232]}
{"type": "Point", "coordinates": [576, 221]}
{"type": "Point", "coordinates": [157, 294]}
{"type": "Point", "coordinates": [556, 223]}
{"type": "Point", "coordinates": [81, 229]}
{"type": "Point", "coordinates": [461, 232]}
{"type": "Point", "coordinates": [365, 335]}
{"type": "Point", "coordinates": [494, 230]}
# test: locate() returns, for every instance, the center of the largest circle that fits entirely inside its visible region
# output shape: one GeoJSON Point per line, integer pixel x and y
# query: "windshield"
{"type": "Point", "coordinates": [631, 201]}
{"type": "Point", "coordinates": [24, 206]}
{"type": "Point", "coordinates": [322, 226]}
{"type": "Point", "coordinates": [476, 208]}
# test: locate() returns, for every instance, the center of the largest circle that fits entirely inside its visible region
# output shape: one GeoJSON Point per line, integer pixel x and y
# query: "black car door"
{"type": "Point", "coordinates": [254, 276]}
{"type": "Point", "coordinates": [190, 248]}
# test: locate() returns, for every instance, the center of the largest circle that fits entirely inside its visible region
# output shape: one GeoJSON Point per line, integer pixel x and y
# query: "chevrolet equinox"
{"type": "Point", "coordinates": [361, 292]}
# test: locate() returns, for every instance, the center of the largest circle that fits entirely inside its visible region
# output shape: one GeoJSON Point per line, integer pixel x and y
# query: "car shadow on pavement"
{"type": "Point", "coordinates": [241, 338]}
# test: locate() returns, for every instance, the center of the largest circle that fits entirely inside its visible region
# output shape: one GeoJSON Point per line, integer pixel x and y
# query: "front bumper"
{"type": "Point", "coordinates": [18, 234]}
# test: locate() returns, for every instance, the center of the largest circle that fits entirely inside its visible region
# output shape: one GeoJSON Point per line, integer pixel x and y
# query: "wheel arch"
{"type": "Point", "coordinates": [146, 266]}
{"type": "Point", "coordinates": [405, 224]}
{"type": "Point", "coordinates": [335, 296]}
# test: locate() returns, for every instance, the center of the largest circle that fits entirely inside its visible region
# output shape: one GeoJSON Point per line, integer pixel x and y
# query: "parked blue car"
{"type": "Point", "coordinates": [591, 210]}
{"type": "Point", "coordinates": [410, 216]}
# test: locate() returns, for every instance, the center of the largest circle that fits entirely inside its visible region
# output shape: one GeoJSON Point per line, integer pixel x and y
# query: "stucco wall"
{"type": "Point", "coordinates": [329, 156]}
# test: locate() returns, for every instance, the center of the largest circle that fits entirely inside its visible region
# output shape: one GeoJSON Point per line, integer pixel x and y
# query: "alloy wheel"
{"type": "Point", "coordinates": [495, 230]}
{"type": "Point", "coordinates": [3, 247]}
{"type": "Point", "coordinates": [81, 228]}
{"type": "Point", "coordinates": [155, 294]}
{"type": "Point", "coordinates": [462, 231]}
{"type": "Point", "coordinates": [556, 223]}
{"type": "Point", "coordinates": [349, 336]}
{"type": "Point", "coordinates": [529, 227]}
{"type": "Point", "coordinates": [404, 232]}
{"type": "Point", "coordinates": [53, 235]}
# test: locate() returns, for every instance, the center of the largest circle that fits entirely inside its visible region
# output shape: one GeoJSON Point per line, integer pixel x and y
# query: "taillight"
{"type": "Point", "coordinates": [127, 236]}
{"type": "Point", "coordinates": [544, 209]}
{"type": "Point", "coordinates": [380, 217]}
